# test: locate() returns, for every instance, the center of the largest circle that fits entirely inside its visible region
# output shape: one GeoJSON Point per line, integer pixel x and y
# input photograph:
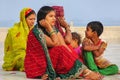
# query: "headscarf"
{"type": "Point", "coordinates": [24, 12]}
{"type": "Point", "coordinates": [59, 13]}
{"type": "Point", "coordinates": [15, 44]}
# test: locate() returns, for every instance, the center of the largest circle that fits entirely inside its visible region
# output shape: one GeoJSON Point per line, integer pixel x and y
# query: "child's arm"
{"type": "Point", "coordinates": [101, 50]}
{"type": "Point", "coordinates": [88, 45]}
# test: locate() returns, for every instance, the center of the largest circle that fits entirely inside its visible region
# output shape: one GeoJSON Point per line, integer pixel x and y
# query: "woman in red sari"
{"type": "Point", "coordinates": [48, 56]}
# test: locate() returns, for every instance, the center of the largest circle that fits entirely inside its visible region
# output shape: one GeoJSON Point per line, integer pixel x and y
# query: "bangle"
{"type": "Point", "coordinates": [87, 73]}
{"type": "Point", "coordinates": [52, 32]}
{"type": "Point", "coordinates": [68, 29]}
{"type": "Point", "coordinates": [68, 26]}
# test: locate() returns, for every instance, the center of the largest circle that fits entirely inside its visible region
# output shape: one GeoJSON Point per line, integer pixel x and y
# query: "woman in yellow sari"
{"type": "Point", "coordinates": [16, 39]}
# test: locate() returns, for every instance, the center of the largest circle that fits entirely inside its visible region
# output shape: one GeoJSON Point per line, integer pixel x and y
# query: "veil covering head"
{"type": "Point", "coordinates": [59, 13]}
{"type": "Point", "coordinates": [25, 12]}
{"type": "Point", "coordinates": [15, 43]}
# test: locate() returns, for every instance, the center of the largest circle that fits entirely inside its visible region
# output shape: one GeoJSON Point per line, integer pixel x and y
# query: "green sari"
{"type": "Point", "coordinates": [90, 63]}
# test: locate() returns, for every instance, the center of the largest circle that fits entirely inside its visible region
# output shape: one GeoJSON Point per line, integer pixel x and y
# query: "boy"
{"type": "Point", "coordinates": [94, 48]}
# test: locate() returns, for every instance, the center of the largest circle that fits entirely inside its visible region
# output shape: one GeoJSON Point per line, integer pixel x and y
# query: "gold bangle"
{"type": "Point", "coordinates": [68, 29]}
{"type": "Point", "coordinates": [52, 32]}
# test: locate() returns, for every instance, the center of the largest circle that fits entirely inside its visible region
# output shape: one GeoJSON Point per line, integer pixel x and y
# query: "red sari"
{"type": "Point", "coordinates": [63, 61]}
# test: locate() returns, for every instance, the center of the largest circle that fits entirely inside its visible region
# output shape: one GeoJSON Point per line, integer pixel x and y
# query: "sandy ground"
{"type": "Point", "coordinates": [112, 53]}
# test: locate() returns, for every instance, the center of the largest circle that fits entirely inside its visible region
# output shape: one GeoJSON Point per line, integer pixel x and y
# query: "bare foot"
{"type": "Point", "coordinates": [94, 76]}
{"type": "Point", "coordinates": [58, 78]}
{"type": "Point", "coordinates": [44, 77]}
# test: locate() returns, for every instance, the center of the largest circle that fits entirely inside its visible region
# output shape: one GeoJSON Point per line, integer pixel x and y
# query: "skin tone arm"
{"type": "Point", "coordinates": [101, 50]}
{"type": "Point", "coordinates": [88, 45]}
{"type": "Point", "coordinates": [97, 50]}
{"type": "Point", "coordinates": [68, 35]}
{"type": "Point", "coordinates": [53, 39]}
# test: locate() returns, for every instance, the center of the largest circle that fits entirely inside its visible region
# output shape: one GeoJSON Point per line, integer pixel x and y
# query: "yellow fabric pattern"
{"type": "Point", "coordinates": [15, 45]}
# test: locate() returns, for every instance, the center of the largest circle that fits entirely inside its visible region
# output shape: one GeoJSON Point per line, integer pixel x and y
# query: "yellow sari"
{"type": "Point", "coordinates": [15, 44]}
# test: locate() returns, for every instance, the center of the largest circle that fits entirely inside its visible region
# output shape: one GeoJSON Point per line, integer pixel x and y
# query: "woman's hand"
{"type": "Point", "coordinates": [44, 23]}
{"type": "Point", "coordinates": [62, 22]}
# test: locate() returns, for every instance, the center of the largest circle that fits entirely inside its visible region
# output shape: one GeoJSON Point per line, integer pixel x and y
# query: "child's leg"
{"type": "Point", "coordinates": [89, 61]}
{"type": "Point", "coordinates": [113, 69]}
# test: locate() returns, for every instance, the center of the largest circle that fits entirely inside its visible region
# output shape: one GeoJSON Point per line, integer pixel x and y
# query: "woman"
{"type": "Point", "coordinates": [16, 39]}
{"type": "Point", "coordinates": [60, 14]}
{"type": "Point", "coordinates": [48, 56]}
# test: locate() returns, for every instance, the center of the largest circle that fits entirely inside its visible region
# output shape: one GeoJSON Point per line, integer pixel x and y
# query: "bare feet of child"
{"type": "Point", "coordinates": [94, 76]}
{"type": "Point", "coordinates": [119, 72]}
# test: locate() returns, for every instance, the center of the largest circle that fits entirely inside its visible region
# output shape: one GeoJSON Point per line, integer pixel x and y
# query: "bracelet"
{"type": "Point", "coordinates": [52, 32]}
{"type": "Point", "coordinates": [67, 29]}
{"type": "Point", "coordinates": [87, 73]}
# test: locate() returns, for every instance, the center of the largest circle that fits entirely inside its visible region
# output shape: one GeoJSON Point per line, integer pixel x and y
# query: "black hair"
{"type": "Point", "coordinates": [43, 11]}
{"type": "Point", "coordinates": [77, 36]}
{"type": "Point", "coordinates": [31, 12]}
{"type": "Point", "coordinates": [96, 26]}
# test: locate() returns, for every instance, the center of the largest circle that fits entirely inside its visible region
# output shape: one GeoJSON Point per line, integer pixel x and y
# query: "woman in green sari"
{"type": "Point", "coordinates": [16, 39]}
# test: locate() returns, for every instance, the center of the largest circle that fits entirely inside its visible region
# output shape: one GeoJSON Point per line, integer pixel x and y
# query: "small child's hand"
{"type": "Point", "coordinates": [87, 41]}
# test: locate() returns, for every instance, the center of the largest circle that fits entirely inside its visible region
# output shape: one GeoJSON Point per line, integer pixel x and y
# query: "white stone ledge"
{"type": "Point", "coordinates": [110, 34]}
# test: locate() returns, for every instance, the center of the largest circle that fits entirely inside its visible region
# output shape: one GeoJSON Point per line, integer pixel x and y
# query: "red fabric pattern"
{"type": "Point", "coordinates": [35, 60]}
{"type": "Point", "coordinates": [62, 59]}
{"type": "Point", "coordinates": [59, 11]}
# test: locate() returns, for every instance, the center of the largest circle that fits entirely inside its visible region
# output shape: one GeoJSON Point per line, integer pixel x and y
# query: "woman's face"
{"type": "Point", "coordinates": [30, 20]}
{"type": "Point", "coordinates": [50, 17]}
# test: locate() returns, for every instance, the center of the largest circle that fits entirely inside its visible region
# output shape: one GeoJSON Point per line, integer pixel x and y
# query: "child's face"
{"type": "Point", "coordinates": [50, 17]}
{"type": "Point", "coordinates": [89, 33]}
{"type": "Point", "coordinates": [74, 43]}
